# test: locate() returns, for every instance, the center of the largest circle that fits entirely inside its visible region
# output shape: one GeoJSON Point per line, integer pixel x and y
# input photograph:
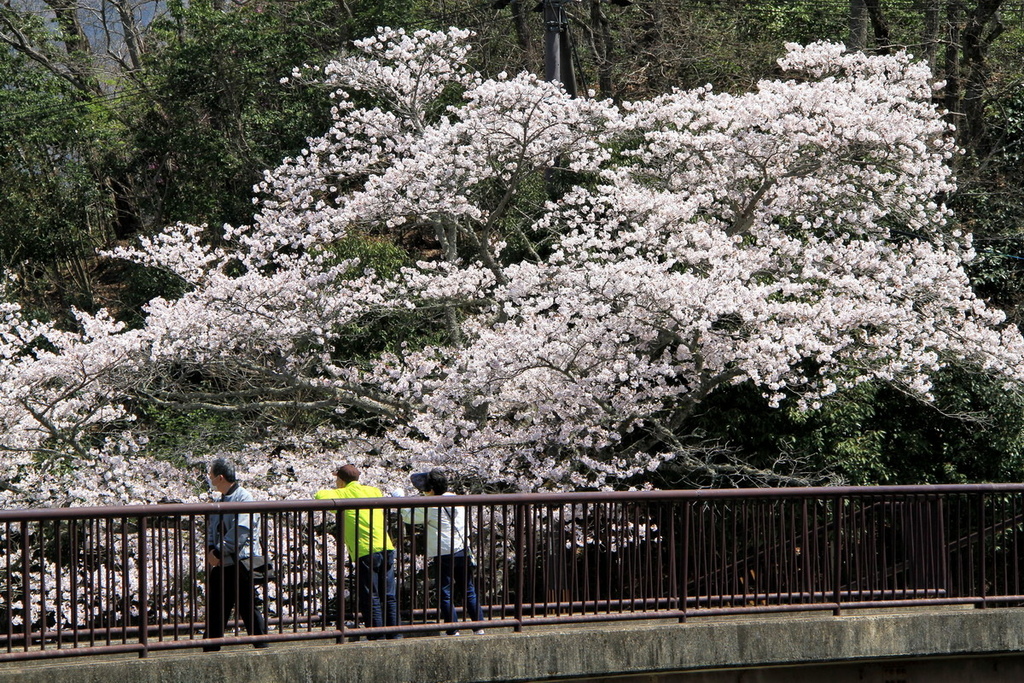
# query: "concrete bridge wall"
{"type": "Point", "coordinates": [950, 644]}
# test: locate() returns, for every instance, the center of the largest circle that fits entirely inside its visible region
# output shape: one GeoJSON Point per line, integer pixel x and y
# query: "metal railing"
{"type": "Point", "coordinates": [80, 581]}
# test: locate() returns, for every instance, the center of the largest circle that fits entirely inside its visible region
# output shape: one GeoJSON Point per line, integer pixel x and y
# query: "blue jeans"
{"type": "Point", "coordinates": [457, 570]}
{"type": "Point", "coordinates": [376, 580]}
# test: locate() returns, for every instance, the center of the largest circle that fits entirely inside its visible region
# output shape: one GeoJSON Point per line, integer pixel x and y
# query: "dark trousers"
{"type": "Point", "coordinates": [376, 579]}
{"type": "Point", "coordinates": [229, 587]}
{"type": "Point", "coordinates": [456, 571]}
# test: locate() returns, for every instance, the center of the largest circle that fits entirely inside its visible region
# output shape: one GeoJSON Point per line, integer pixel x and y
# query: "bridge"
{"type": "Point", "coordinates": [668, 584]}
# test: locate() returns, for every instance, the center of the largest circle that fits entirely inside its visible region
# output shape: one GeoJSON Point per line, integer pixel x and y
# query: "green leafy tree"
{"type": "Point", "coordinates": [213, 111]}
{"type": "Point", "coordinates": [53, 212]}
{"type": "Point", "coordinates": [974, 431]}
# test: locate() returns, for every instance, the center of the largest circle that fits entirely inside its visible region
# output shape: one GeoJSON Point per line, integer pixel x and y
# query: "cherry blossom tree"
{"type": "Point", "coordinates": [588, 274]}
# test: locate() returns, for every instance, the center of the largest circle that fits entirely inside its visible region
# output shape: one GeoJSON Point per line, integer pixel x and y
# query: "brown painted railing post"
{"type": "Point", "coordinates": [685, 578]}
{"type": "Point", "coordinates": [982, 551]}
{"type": "Point", "coordinates": [26, 586]}
{"type": "Point", "coordinates": [143, 593]}
{"type": "Point", "coordinates": [520, 562]}
{"type": "Point", "coordinates": [838, 567]}
{"type": "Point", "coordinates": [343, 577]}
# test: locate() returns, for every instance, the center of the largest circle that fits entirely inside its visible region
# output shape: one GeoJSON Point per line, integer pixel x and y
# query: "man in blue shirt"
{"type": "Point", "coordinates": [231, 537]}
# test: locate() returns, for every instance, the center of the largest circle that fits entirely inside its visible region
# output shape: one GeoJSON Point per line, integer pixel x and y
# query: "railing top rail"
{"type": "Point", "coordinates": [199, 509]}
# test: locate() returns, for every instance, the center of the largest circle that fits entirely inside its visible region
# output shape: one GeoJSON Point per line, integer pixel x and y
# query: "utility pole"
{"type": "Point", "coordinates": [558, 62]}
{"type": "Point", "coordinates": [558, 65]}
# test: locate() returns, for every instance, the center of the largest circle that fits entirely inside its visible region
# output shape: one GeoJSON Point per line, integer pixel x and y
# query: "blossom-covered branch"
{"type": "Point", "coordinates": [793, 238]}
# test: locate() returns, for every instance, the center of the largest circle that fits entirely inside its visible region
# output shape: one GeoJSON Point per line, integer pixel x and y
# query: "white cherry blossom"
{"type": "Point", "coordinates": [593, 272]}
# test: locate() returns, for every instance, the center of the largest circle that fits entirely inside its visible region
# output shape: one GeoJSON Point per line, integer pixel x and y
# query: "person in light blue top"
{"type": "Point", "coordinates": [231, 537]}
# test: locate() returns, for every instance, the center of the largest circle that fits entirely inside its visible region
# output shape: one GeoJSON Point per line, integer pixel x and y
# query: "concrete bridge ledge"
{"type": "Point", "coordinates": [702, 644]}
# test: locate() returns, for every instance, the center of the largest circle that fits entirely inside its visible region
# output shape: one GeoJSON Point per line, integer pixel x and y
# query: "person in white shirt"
{"type": "Point", "coordinates": [447, 547]}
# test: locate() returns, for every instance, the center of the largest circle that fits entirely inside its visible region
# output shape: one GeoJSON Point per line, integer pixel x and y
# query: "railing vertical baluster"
{"type": "Point", "coordinates": [560, 572]}
{"type": "Point", "coordinates": [857, 540]}
{"type": "Point", "coordinates": [321, 592]}
{"type": "Point", "coordinates": [659, 561]}
{"type": "Point", "coordinates": [805, 584]}
{"type": "Point", "coordinates": [669, 543]}
{"type": "Point", "coordinates": [616, 532]}
{"type": "Point", "coordinates": [656, 559]}
{"type": "Point", "coordinates": [580, 550]}
{"type": "Point", "coordinates": [265, 594]}
{"type": "Point", "coordinates": [547, 557]}
{"type": "Point", "coordinates": [945, 561]}
{"type": "Point", "coordinates": [639, 541]}
{"type": "Point", "coordinates": [713, 519]}
{"type": "Point", "coordinates": [90, 532]}
{"type": "Point", "coordinates": [308, 548]}
{"type": "Point", "coordinates": [630, 519]}
{"type": "Point", "coordinates": [603, 537]}
{"type": "Point", "coordinates": [194, 548]}
{"type": "Point", "coordinates": [994, 577]}
{"type": "Point", "coordinates": [75, 563]}
{"type": "Point", "coordinates": [8, 584]}
{"type": "Point", "coordinates": [109, 605]}
{"type": "Point", "coordinates": [159, 565]}
{"type": "Point", "coordinates": [143, 597]}
{"type": "Point", "coordinates": [730, 549]}
{"type": "Point", "coordinates": [838, 546]}
{"type": "Point", "coordinates": [26, 588]}
{"type": "Point", "coordinates": [173, 550]}
{"type": "Point", "coordinates": [487, 560]}
{"type": "Point", "coordinates": [792, 556]}
{"type": "Point", "coordinates": [520, 511]}
{"type": "Point", "coordinates": [746, 544]}
{"type": "Point", "coordinates": [1015, 528]}
{"type": "Point", "coordinates": [701, 549]}
{"type": "Point", "coordinates": [888, 512]}
{"type": "Point", "coordinates": [684, 580]}
{"type": "Point", "coordinates": [588, 545]}
{"type": "Point", "coordinates": [721, 587]}
{"type": "Point", "coordinates": [502, 593]}
{"type": "Point", "coordinates": [1004, 583]}
{"type": "Point", "coordinates": [42, 585]}
{"type": "Point", "coordinates": [536, 539]}
{"type": "Point", "coordinates": [126, 609]}
{"type": "Point", "coordinates": [284, 566]}
{"type": "Point", "coordinates": [58, 583]}
{"type": "Point", "coordinates": [346, 581]}
{"type": "Point", "coordinates": [909, 544]}
{"type": "Point", "coordinates": [983, 550]}
{"type": "Point", "coordinates": [543, 554]}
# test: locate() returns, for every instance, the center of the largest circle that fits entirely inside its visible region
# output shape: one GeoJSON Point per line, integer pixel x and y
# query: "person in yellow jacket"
{"type": "Point", "coordinates": [370, 547]}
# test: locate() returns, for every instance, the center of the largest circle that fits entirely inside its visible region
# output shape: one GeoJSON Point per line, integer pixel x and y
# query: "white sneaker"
{"type": "Point", "coordinates": [454, 633]}
{"type": "Point", "coordinates": [478, 632]}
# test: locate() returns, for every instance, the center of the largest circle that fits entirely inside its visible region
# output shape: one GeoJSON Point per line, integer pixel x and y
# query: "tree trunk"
{"type": "Point", "coordinates": [883, 38]}
{"type": "Point", "coordinates": [982, 29]}
{"type": "Point", "coordinates": [602, 37]}
{"type": "Point", "coordinates": [858, 25]}
{"type": "Point", "coordinates": [80, 55]}
{"type": "Point", "coordinates": [132, 35]}
{"type": "Point", "coordinates": [954, 17]}
{"type": "Point", "coordinates": [930, 38]}
{"type": "Point", "coordinates": [524, 37]}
